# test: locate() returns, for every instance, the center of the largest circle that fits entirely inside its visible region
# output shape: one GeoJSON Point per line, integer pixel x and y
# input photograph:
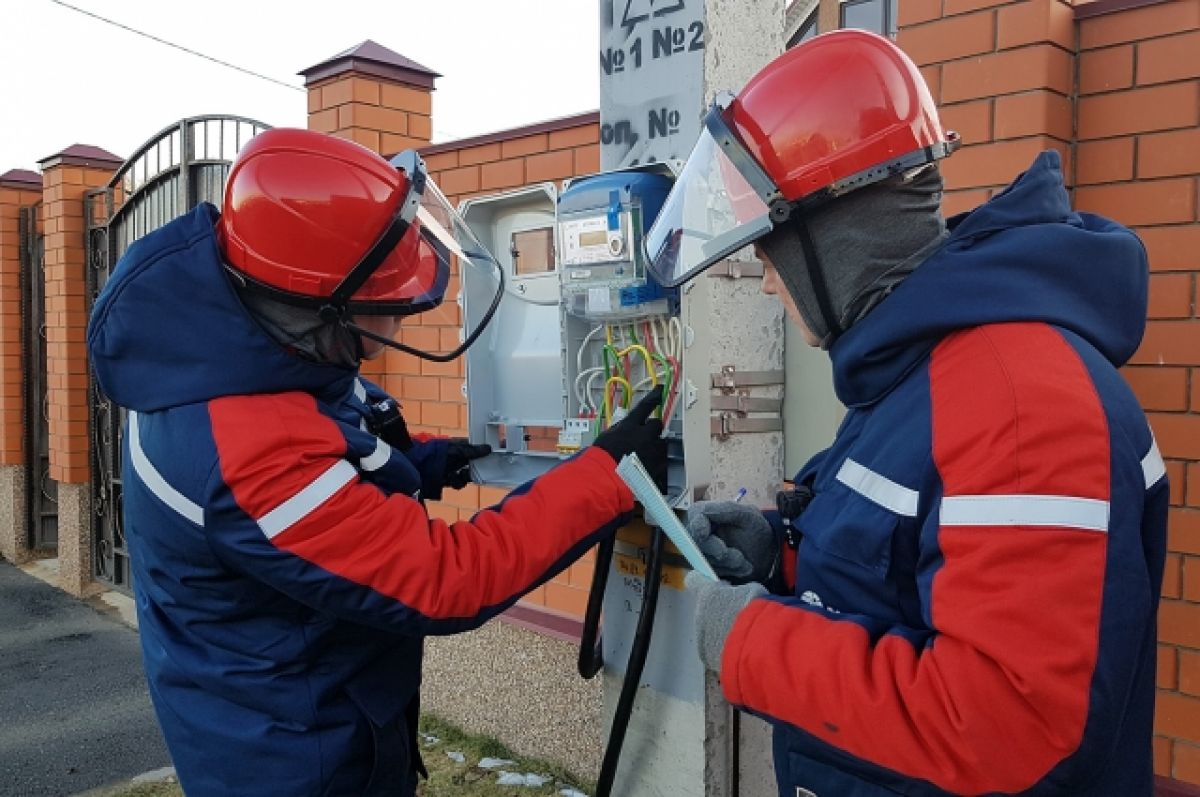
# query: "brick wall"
{"type": "Point", "coordinates": [14, 194]}
{"type": "Point", "coordinates": [1002, 74]}
{"type": "Point", "coordinates": [1138, 156]}
{"type": "Point", "coordinates": [1117, 91]}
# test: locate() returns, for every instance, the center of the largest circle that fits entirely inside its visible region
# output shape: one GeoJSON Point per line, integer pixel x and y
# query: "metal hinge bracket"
{"type": "Point", "coordinates": [730, 378]}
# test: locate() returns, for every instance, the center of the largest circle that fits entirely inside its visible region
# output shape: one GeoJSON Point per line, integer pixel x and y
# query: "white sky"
{"type": "Point", "coordinates": [67, 78]}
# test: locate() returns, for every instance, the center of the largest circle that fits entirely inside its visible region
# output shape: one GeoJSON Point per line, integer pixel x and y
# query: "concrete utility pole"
{"type": "Point", "coordinates": [661, 64]}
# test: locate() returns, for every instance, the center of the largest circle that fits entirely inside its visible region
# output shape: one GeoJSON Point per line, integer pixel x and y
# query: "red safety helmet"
{"type": "Point", "coordinates": [840, 111]}
{"type": "Point", "coordinates": [319, 221]}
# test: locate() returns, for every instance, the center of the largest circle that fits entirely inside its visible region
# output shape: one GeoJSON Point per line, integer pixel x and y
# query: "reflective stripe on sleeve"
{"type": "Point", "coordinates": [1153, 468]}
{"type": "Point", "coordinates": [378, 458]}
{"type": "Point", "coordinates": [1025, 510]}
{"type": "Point", "coordinates": [303, 503]}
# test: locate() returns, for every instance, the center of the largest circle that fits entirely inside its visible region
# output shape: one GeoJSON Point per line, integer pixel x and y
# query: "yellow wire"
{"type": "Point", "coordinates": [624, 383]}
{"type": "Point", "coordinates": [608, 334]}
{"type": "Point", "coordinates": [645, 356]}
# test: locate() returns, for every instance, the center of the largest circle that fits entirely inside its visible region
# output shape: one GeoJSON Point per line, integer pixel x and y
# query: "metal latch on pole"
{"type": "Point", "coordinates": [730, 378]}
{"type": "Point", "coordinates": [727, 423]}
{"type": "Point", "coordinates": [742, 404]}
{"type": "Point", "coordinates": [735, 404]}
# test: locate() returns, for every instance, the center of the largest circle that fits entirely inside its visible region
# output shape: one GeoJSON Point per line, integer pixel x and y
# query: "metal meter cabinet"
{"type": "Point", "coordinates": [538, 378]}
{"type": "Point", "coordinates": [581, 331]}
{"type": "Point", "coordinates": [514, 371]}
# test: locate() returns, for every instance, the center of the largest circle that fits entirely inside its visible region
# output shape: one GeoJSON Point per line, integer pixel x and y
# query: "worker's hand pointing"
{"type": "Point", "coordinates": [638, 433]}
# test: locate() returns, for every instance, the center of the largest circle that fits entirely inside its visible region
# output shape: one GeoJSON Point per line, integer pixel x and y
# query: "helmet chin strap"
{"type": "Point", "coordinates": [816, 275]}
{"type": "Point", "coordinates": [781, 247]}
{"type": "Point", "coordinates": [340, 314]}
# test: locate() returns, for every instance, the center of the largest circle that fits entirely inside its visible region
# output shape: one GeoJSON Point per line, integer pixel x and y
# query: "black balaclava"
{"type": "Point", "coordinates": [842, 259]}
{"type": "Point", "coordinates": [301, 330]}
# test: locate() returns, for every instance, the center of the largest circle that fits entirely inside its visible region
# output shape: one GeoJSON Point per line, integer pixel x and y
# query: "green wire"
{"type": "Point", "coordinates": [669, 383]}
{"type": "Point", "coordinates": [609, 351]}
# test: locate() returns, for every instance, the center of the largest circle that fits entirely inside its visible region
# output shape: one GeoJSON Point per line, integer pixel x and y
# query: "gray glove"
{"type": "Point", "coordinates": [717, 607]}
{"type": "Point", "coordinates": [735, 538]}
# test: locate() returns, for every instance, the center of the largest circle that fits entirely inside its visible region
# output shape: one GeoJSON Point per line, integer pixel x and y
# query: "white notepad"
{"type": "Point", "coordinates": [633, 473]}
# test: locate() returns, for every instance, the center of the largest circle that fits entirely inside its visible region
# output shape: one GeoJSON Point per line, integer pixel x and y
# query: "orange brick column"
{"type": "Point", "coordinates": [18, 188]}
{"type": "Point", "coordinates": [372, 95]}
{"type": "Point", "coordinates": [67, 176]}
{"type": "Point", "coordinates": [1138, 161]}
{"type": "Point", "coordinates": [1002, 74]}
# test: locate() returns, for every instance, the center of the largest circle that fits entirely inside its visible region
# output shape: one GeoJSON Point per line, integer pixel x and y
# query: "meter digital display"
{"type": "Point", "coordinates": [587, 240]}
{"type": "Point", "coordinates": [601, 220]}
{"type": "Point", "coordinates": [592, 238]}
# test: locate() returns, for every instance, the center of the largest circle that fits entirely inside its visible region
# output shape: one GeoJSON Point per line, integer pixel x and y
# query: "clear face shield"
{"type": "Point", "coordinates": [721, 202]}
{"type": "Point", "coordinates": [426, 230]}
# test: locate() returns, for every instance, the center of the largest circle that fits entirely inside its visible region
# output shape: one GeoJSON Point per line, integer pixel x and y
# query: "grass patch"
{"type": "Point", "coordinates": [447, 778]}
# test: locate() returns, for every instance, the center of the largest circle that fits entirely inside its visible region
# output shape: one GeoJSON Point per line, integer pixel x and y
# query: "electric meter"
{"type": "Point", "coordinates": [601, 220]}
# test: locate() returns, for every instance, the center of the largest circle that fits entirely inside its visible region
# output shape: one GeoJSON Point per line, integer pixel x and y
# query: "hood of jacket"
{"type": "Point", "coordinates": [1024, 255]}
{"type": "Point", "coordinates": [168, 328]}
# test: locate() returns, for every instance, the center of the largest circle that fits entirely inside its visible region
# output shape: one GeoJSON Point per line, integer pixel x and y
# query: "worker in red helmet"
{"type": "Point", "coordinates": [285, 568]}
{"type": "Point", "coordinates": [959, 595]}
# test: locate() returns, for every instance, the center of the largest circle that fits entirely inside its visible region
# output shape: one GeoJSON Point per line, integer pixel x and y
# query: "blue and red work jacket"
{"type": "Point", "coordinates": [974, 608]}
{"type": "Point", "coordinates": [285, 569]}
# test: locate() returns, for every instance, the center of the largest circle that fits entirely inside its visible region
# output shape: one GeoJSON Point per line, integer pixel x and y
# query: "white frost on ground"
{"type": "Point", "coordinates": [517, 779]}
{"type": "Point", "coordinates": [492, 763]}
{"type": "Point", "coordinates": [164, 775]}
{"type": "Point", "coordinates": [431, 739]}
{"type": "Point", "coordinates": [456, 757]}
{"type": "Point", "coordinates": [569, 792]}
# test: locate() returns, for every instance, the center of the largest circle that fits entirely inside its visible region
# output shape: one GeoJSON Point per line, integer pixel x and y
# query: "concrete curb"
{"type": "Point", "coordinates": [163, 775]}
{"type": "Point", "coordinates": [106, 601]}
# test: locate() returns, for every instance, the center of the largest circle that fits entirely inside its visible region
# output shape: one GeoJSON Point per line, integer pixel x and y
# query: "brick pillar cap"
{"type": "Point", "coordinates": [82, 155]}
{"type": "Point", "coordinates": [21, 178]}
{"type": "Point", "coordinates": [373, 59]}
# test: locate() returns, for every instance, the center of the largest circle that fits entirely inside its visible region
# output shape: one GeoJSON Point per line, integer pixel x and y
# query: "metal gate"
{"type": "Point", "coordinates": [173, 172]}
{"type": "Point", "coordinates": [41, 491]}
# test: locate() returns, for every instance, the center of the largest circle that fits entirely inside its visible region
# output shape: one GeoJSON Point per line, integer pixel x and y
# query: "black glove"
{"type": "Point", "coordinates": [638, 433]}
{"type": "Point", "coordinates": [459, 453]}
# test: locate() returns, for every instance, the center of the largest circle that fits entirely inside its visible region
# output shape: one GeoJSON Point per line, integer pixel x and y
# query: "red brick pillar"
{"type": "Point", "coordinates": [67, 176]}
{"type": "Point", "coordinates": [18, 189]}
{"type": "Point", "coordinates": [1002, 74]}
{"type": "Point", "coordinates": [372, 95]}
{"type": "Point", "coordinates": [1139, 161]}
{"type": "Point", "coordinates": [384, 101]}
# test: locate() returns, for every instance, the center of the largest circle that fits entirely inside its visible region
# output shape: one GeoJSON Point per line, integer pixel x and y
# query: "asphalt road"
{"type": "Point", "coordinates": [74, 711]}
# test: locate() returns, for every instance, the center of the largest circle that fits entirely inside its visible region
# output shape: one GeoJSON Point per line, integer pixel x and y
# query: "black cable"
{"type": "Point", "coordinates": [591, 650]}
{"type": "Point", "coordinates": [633, 672]}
